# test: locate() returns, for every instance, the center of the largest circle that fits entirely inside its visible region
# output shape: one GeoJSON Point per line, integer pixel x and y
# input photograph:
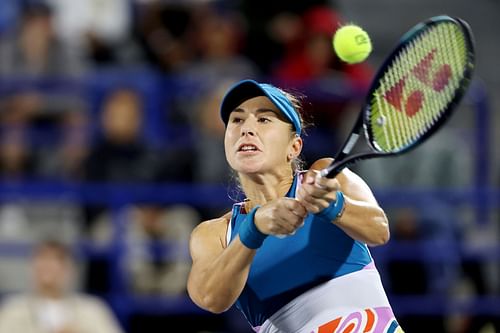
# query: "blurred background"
{"type": "Point", "coordinates": [110, 142]}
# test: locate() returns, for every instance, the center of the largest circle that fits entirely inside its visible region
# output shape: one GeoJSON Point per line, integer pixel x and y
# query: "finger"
{"type": "Point", "coordinates": [313, 190]}
{"type": "Point", "coordinates": [314, 178]}
{"type": "Point", "coordinates": [327, 184]}
{"type": "Point", "coordinates": [294, 214]}
{"type": "Point", "coordinates": [309, 177]}
{"type": "Point", "coordinates": [294, 206]}
{"type": "Point", "coordinates": [288, 226]}
{"type": "Point", "coordinates": [298, 211]}
{"type": "Point", "coordinates": [317, 201]}
{"type": "Point", "coordinates": [310, 207]}
{"type": "Point", "coordinates": [319, 181]}
{"type": "Point", "coordinates": [298, 222]}
{"type": "Point", "coordinates": [315, 206]}
{"type": "Point", "coordinates": [331, 197]}
{"type": "Point", "coordinates": [281, 227]}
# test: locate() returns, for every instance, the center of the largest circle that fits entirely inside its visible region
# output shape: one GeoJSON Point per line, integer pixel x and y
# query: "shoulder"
{"type": "Point", "coordinates": [15, 306]}
{"type": "Point", "coordinates": [213, 224]}
{"type": "Point", "coordinates": [95, 312]}
{"type": "Point", "coordinates": [15, 301]}
{"type": "Point", "coordinates": [210, 228]}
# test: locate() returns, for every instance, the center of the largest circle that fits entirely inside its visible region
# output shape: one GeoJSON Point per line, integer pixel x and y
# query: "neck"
{"type": "Point", "coordinates": [49, 293]}
{"type": "Point", "coordinates": [263, 188]}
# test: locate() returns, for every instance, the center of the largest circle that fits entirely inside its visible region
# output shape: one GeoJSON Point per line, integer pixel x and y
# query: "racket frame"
{"type": "Point", "coordinates": [361, 128]}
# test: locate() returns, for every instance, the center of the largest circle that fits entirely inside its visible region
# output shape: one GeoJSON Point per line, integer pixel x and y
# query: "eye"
{"type": "Point", "coordinates": [236, 120]}
{"type": "Point", "coordinates": [264, 120]}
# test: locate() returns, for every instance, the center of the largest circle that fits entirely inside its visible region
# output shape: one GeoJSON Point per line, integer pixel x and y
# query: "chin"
{"type": "Point", "coordinates": [249, 168]}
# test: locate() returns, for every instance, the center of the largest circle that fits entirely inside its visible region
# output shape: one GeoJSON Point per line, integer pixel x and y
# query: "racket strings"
{"type": "Point", "coordinates": [414, 92]}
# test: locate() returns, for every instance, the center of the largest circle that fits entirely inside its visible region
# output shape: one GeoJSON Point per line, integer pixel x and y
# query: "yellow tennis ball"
{"type": "Point", "coordinates": [352, 44]}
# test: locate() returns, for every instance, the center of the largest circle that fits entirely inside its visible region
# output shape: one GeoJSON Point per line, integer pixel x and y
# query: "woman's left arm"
{"type": "Point", "coordinates": [361, 217]}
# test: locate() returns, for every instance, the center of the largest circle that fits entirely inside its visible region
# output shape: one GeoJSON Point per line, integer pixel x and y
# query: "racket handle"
{"type": "Point", "coordinates": [329, 171]}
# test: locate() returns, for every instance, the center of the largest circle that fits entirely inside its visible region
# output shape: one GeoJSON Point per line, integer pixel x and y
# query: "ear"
{"type": "Point", "coordinates": [295, 147]}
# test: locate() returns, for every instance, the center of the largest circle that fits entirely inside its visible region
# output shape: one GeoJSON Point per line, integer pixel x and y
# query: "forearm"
{"type": "Point", "coordinates": [364, 221]}
{"type": "Point", "coordinates": [217, 285]}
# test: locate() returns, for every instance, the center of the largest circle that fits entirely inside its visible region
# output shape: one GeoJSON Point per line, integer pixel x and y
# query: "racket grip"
{"type": "Point", "coordinates": [329, 172]}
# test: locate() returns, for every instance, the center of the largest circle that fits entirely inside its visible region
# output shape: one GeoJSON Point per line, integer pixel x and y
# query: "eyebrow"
{"type": "Point", "coordinates": [260, 110]}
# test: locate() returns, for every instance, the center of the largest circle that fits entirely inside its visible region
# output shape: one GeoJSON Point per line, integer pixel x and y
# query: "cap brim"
{"type": "Point", "coordinates": [247, 89]}
{"type": "Point", "coordinates": [237, 94]}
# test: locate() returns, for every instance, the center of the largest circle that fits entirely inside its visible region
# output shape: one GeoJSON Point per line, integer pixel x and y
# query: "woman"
{"type": "Point", "coordinates": [293, 256]}
{"type": "Point", "coordinates": [54, 306]}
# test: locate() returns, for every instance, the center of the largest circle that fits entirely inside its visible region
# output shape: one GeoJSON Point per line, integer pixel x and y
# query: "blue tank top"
{"type": "Point", "coordinates": [284, 268]}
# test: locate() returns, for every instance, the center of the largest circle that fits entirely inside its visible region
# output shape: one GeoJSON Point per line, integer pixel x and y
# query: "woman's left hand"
{"type": "Point", "coordinates": [316, 193]}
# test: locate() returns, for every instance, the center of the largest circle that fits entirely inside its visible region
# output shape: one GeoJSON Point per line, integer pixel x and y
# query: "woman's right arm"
{"type": "Point", "coordinates": [219, 271]}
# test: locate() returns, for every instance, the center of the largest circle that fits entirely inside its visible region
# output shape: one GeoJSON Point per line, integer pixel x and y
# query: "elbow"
{"type": "Point", "coordinates": [213, 304]}
{"type": "Point", "coordinates": [382, 235]}
{"type": "Point", "coordinates": [209, 302]}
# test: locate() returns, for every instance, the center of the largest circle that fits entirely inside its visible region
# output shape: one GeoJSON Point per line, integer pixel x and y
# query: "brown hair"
{"type": "Point", "coordinates": [296, 100]}
{"type": "Point", "coordinates": [62, 250]}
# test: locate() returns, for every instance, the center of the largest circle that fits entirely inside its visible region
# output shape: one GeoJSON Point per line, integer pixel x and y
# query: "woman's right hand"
{"type": "Point", "coordinates": [282, 216]}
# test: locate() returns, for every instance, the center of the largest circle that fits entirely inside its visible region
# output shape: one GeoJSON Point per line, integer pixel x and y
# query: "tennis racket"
{"type": "Point", "coordinates": [413, 93]}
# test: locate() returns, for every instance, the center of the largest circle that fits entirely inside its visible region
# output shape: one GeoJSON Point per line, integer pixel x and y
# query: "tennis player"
{"type": "Point", "coordinates": [293, 257]}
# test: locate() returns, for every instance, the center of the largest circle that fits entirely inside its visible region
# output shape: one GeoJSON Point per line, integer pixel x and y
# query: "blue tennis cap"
{"type": "Point", "coordinates": [247, 89]}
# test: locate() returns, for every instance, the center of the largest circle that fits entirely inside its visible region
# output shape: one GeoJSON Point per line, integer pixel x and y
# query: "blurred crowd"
{"type": "Point", "coordinates": [127, 92]}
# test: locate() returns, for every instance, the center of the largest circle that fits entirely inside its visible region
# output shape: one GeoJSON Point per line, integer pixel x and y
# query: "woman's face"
{"type": "Point", "coordinates": [258, 139]}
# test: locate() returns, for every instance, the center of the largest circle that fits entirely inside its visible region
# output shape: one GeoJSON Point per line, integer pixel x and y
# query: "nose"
{"type": "Point", "coordinates": [248, 132]}
{"type": "Point", "coordinates": [248, 128]}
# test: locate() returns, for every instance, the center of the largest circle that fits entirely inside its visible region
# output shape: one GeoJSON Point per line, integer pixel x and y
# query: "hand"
{"type": "Point", "coordinates": [280, 217]}
{"type": "Point", "coordinates": [317, 193]}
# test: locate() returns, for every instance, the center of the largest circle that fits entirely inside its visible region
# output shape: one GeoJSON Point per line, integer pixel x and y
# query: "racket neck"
{"type": "Point", "coordinates": [352, 139]}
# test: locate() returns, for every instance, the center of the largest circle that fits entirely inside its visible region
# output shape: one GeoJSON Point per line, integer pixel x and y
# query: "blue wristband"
{"type": "Point", "coordinates": [250, 236]}
{"type": "Point", "coordinates": [335, 210]}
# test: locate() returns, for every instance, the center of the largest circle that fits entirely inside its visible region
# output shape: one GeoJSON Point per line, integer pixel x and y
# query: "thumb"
{"type": "Point", "coordinates": [309, 177]}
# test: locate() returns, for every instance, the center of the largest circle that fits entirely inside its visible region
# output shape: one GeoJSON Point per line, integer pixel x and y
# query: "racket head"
{"type": "Point", "coordinates": [419, 85]}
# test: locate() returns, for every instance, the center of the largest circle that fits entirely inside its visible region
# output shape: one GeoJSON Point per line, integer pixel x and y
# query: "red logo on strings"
{"type": "Point", "coordinates": [437, 80]}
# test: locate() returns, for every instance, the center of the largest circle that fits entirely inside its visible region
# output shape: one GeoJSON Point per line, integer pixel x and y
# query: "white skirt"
{"type": "Point", "coordinates": [354, 303]}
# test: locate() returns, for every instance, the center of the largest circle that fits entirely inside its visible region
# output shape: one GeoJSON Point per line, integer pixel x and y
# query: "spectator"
{"type": "Point", "coordinates": [65, 161]}
{"type": "Point", "coordinates": [121, 156]}
{"type": "Point", "coordinates": [34, 50]}
{"type": "Point", "coordinates": [309, 55]}
{"type": "Point", "coordinates": [16, 160]}
{"type": "Point", "coordinates": [208, 161]}
{"type": "Point", "coordinates": [271, 25]}
{"type": "Point", "coordinates": [217, 38]}
{"type": "Point", "coordinates": [161, 29]}
{"type": "Point", "coordinates": [208, 168]}
{"type": "Point", "coordinates": [159, 256]}
{"type": "Point", "coordinates": [53, 306]}
{"type": "Point", "coordinates": [100, 30]}
{"type": "Point", "coordinates": [42, 71]}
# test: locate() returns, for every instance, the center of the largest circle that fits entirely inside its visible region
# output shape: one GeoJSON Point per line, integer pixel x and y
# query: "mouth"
{"type": "Point", "coordinates": [248, 148]}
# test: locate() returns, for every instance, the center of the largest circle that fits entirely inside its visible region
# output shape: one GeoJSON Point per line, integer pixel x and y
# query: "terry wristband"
{"type": "Point", "coordinates": [335, 210]}
{"type": "Point", "coordinates": [250, 236]}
